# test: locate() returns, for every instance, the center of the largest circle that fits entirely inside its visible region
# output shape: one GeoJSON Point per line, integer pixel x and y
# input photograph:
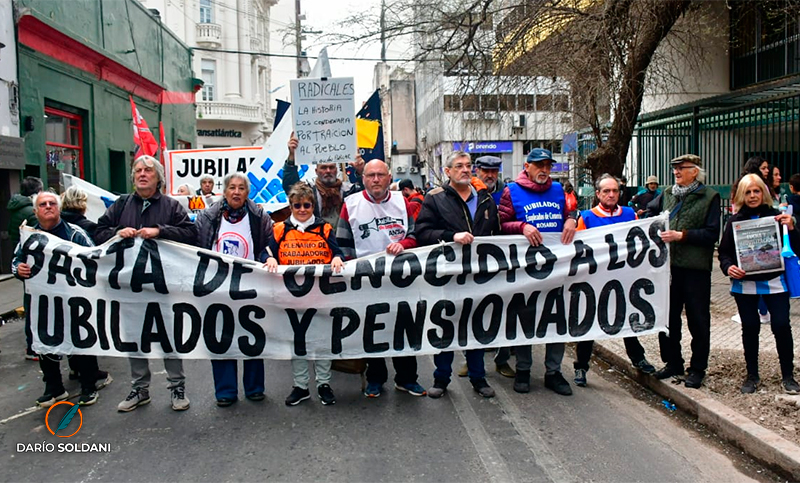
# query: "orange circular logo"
{"type": "Point", "coordinates": [65, 420]}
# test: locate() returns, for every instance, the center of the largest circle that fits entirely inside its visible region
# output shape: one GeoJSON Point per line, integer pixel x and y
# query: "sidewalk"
{"type": "Point", "coordinates": [10, 295]}
{"type": "Point", "coordinates": [726, 338]}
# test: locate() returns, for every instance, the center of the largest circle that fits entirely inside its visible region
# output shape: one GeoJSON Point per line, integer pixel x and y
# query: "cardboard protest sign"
{"type": "Point", "coordinates": [324, 120]}
{"type": "Point", "coordinates": [151, 298]}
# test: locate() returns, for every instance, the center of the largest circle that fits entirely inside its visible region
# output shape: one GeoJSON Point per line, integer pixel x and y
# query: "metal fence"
{"type": "Point", "coordinates": [723, 130]}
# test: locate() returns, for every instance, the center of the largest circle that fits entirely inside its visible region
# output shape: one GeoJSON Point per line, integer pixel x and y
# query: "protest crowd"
{"type": "Point", "coordinates": [331, 222]}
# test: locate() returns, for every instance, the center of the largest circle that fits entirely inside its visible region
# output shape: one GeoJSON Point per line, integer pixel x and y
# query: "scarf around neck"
{"type": "Point", "coordinates": [301, 225]}
{"type": "Point", "coordinates": [680, 192]}
{"type": "Point", "coordinates": [331, 196]}
{"type": "Point", "coordinates": [233, 215]}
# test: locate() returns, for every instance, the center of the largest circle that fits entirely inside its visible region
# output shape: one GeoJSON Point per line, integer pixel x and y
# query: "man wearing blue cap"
{"type": "Point", "coordinates": [487, 168]}
{"type": "Point", "coordinates": [533, 204]}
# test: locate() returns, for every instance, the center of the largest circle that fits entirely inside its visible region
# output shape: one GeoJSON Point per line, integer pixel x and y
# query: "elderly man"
{"type": "Point", "coordinates": [373, 221]}
{"type": "Point", "coordinates": [458, 211]}
{"type": "Point", "coordinates": [607, 212]}
{"type": "Point", "coordinates": [487, 168]}
{"type": "Point", "coordinates": [328, 189]}
{"type": "Point", "coordinates": [148, 214]}
{"type": "Point", "coordinates": [533, 204]}
{"type": "Point", "coordinates": [236, 226]}
{"type": "Point", "coordinates": [647, 194]}
{"type": "Point", "coordinates": [47, 209]}
{"type": "Point", "coordinates": [206, 185]}
{"type": "Point", "coordinates": [694, 230]}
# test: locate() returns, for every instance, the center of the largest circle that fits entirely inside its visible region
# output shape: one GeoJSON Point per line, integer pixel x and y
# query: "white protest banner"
{"type": "Point", "coordinates": [153, 299]}
{"type": "Point", "coordinates": [324, 120]}
{"type": "Point", "coordinates": [189, 165]}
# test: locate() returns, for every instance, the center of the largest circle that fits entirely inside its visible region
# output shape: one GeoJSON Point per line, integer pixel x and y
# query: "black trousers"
{"type": "Point", "coordinates": [51, 369]}
{"type": "Point", "coordinates": [778, 306]}
{"type": "Point", "coordinates": [689, 289]}
{"type": "Point", "coordinates": [405, 369]}
{"type": "Point", "coordinates": [583, 352]}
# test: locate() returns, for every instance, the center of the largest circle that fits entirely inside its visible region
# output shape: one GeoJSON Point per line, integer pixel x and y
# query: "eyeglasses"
{"type": "Point", "coordinates": [376, 175]}
{"type": "Point", "coordinates": [459, 167]}
{"type": "Point", "coordinates": [48, 203]}
{"type": "Point", "coordinates": [306, 206]}
{"type": "Point", "coordinates": [679, 168]}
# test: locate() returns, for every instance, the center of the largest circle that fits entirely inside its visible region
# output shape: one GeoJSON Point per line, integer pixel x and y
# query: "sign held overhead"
{"type": "Point", "coordinates": [324, 120]}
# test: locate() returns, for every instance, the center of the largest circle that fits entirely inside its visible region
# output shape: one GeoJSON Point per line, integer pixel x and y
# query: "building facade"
{"type": "Point", "coordinates": [233, 106]}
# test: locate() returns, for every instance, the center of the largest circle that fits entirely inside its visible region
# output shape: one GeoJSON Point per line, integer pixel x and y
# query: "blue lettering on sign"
{"type": "Point", "coordinates": [485, 147]}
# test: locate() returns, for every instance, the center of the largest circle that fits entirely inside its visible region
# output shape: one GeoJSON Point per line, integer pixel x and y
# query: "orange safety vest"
{"type": "Point", "coordinates": [303, 248]}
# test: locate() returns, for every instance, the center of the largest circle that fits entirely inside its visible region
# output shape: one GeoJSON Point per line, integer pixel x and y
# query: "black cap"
{"type": "Point", "coordinates": [488, 162]}
{"type": "Point", "coordinates": [406, 183]}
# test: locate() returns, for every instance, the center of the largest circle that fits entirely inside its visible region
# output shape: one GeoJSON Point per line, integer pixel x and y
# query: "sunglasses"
{"type": "Point", "coordinates": [306, 206]}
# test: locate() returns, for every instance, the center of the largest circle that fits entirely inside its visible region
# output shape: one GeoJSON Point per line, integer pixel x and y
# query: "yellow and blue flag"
{"type": "Point", "coordinates": [369, 129]}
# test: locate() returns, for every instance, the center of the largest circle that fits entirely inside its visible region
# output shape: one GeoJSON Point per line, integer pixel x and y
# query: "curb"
{"type": "Point", "coordinates": [766, 446]}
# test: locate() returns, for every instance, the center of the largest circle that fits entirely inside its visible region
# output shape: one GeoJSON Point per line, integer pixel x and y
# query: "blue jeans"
{"type": "Point", "coordinates": [444, 365]}
{"type": "Point", "coordinates": [225, 377]}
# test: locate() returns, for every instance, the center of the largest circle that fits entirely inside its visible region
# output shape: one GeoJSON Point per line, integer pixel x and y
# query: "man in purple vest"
{"type": "Point", "coordinates": [607, 212]}
{"type": "Point", "coordinates": [533, 204]}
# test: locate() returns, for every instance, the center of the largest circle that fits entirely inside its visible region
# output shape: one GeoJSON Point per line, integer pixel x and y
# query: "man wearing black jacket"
{"type": "Point", "coordinates": [457, 212]}
{"type": "Point", "coordinates": [148, 214]}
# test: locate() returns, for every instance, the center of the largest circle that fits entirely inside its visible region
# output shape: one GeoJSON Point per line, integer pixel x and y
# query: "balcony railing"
{"type": "Point", "coordinates": [230, 111]}
{"type": "Point", "coordinates": [209, 34]}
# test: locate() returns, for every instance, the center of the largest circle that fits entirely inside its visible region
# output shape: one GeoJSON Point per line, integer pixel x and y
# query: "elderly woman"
{"type": "Point", "coordinates": [185, 190]}
{"type": "Point", "coordinates": [694, 211]}
{"type": "Point", "coordinates": [206, 185]}
{"type": "Point", "coordinates": [753, 200]}
{"type": "Point", "coordinates": [73, 209]}
{"type": "Point", "coordinates": [236, 226]}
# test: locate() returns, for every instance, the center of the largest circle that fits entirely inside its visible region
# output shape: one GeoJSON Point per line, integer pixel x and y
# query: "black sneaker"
{"type": "Point", "coordinates": [522, 381]}
{"type": "Point", "coordinates": [580, 377]}
{"type": "Point", "coordinates": [790, 386]}
{"type": "Point", "coordinates": [644, 367]}
{"type": "Point", "coordinates": [482, 387]}
{"type": "Point", "coordinates": [669, 371]}
{"type": "Point", "coordinates": [326, 395]}
{"type": "Point", "coordinates": [750, 384]}
{"type": "Point", "coordinates": [48, 399]}
{"type": "Point", "coordinates": [557, 384]}
{"type": "Point", "coordinates": [88, 399]}
{"type": "Point", "coordinates": [73, 375]}
{"type": "Point", "coordinates": [297, 396]}
{"type": "Point", "coordinates": [694, 379]}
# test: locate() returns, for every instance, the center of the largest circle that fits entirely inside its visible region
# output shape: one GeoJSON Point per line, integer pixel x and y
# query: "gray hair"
{"type": "Point", "coordinates": [604, 177]}
{"type": "Point", "coordinates": [150, 162]}
{"type": "Point", "coordinates": [206, 177]}
{"type": "Point", "coordinates": [456, 155]}
{"type": "Point", "coordinates": [49, 192]}
{"type": "Point", "coordinates": [701, 174]}
{"type": "Point", "coordinates": [236, 175]}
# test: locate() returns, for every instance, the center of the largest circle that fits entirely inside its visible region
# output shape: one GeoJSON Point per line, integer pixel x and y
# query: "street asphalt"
{"type": "Point", "coordinates": [601, 433]}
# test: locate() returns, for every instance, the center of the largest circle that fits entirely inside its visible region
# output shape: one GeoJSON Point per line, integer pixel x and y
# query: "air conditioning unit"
{"type": "Point", "coordinates": [400, 169]}
{"type": "Point", "coordinates": [519, 120]}
{"type": "Point", "coordinates": [491, 115]}
{"type": "Point", "coordinates": [413, 170]}
{"type": "Point", "coordinates": [471, 115]}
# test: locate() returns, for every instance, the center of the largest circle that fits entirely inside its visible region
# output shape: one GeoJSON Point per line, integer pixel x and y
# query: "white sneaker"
{"type": "Point", "coordinates": [736, 318]}
{"type": "Point", "coordinates": [765, 318]}
{"type": "Point", "coordinates": [179, 400]}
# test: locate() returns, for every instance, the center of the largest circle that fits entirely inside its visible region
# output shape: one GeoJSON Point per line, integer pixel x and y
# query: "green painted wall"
{"type": "Point", "coordinates": [121, 30]}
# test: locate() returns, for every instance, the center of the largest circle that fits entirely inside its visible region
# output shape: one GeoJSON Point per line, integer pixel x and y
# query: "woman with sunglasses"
{"type": "Point", "coordinates": [305, 239]}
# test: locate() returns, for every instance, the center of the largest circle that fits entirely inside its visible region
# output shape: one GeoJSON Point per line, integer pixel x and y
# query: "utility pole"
{"type": "Point", "coordinates": [383, 31]}
{"type": "Point", "coordinates": [298, 32]}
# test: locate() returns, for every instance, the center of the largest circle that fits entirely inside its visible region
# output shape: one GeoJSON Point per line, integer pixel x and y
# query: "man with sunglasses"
{"type": "Point", "coordinates": [47, 208]}
{"type": "Point", "coordinates": [694, 211]}
{"type": "Point", "coordinates": [373, 221]}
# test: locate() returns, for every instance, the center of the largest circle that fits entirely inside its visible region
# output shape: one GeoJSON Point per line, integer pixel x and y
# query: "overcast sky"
{"type": "Point", "coordinates": [323, 15]}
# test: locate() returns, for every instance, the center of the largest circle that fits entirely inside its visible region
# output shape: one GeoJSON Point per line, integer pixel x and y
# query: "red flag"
{"type": "Point", "coordinates": [163, 140]}
{"type": "Point", "coordinates": [145, 142]}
